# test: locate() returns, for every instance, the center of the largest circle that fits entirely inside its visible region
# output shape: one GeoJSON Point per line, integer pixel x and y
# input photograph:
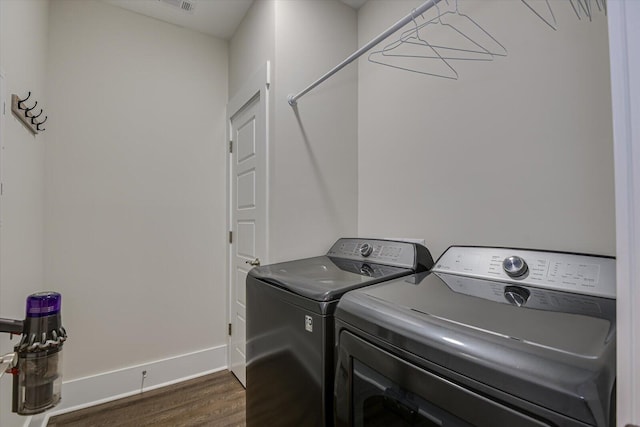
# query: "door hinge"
{"type": "Point", "coordinates": [231, 146]}
{"type": "Point", "coordinates": [231, 237]}
{"type": "Point", "coordinates": [229, 329]}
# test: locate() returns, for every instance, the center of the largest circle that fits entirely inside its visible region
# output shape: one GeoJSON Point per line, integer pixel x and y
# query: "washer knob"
{"type": "Point", "coordinates": [366, 250]}
{"type": "Point", "coordinates": [516, 295]}
{"type": "Point", "coordinates": [515, 266]}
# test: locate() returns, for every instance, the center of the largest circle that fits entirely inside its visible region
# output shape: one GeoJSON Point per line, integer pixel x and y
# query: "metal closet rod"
{"type": "Point", "coordinates": [293, 99]}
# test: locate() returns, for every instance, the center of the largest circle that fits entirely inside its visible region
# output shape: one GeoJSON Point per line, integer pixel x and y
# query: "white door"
{"type": "Point", "coordinates": [248, 205]}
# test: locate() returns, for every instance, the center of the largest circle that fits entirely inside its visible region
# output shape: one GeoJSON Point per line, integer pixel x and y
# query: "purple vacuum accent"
{"type": "Point", "coordinates": [43, 304]}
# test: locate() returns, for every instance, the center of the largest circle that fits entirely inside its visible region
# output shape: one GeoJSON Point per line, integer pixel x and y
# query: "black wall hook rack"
{"type": "Point", "coordinates": [23, 112]}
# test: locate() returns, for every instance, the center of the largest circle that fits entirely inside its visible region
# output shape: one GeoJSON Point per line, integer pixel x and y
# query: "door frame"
{"type": "Point", "coordinates": [256, 85]}
{"type": "Point", "coordinates": [624, 39]}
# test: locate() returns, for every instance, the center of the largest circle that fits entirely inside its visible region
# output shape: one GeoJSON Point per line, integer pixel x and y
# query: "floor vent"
{"type": "Point", "coordinates": [184, 5]}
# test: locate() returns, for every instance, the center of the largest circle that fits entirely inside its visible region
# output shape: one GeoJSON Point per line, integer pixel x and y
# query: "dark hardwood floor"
{"type": "Point", "coordinates": [212, 400]}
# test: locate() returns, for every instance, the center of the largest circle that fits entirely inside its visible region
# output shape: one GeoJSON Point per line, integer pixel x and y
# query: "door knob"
{"type": "Point", "coordinates": [255, 262]}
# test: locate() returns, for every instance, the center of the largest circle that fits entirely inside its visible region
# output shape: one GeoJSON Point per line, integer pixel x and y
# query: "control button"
{"type": "Point", "coordinates": [366, 250]}
{"type": "Point", "coordinates": [516, 295]}
{"type": "Point", "coordinates": [515, 266]}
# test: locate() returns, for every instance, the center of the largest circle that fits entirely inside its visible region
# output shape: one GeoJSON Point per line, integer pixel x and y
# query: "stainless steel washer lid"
{"type": "Point", "coordinates": [325, 278]}
{"type": "Point", "coordinates": [557, 351]}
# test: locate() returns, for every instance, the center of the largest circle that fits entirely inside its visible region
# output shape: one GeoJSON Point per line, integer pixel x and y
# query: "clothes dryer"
{"type": "Point", "coordinates": [491, 337]}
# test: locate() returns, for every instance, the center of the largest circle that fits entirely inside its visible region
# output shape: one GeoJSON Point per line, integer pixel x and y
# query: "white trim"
{"type": "Point", "coordinates": [108, 386]}
{"type": "Point", "coordinates": [3, 123]}
{"type": "Point", "coordinates": [624, 51]}
{"type": "Point", "coordinates": [257, 84]}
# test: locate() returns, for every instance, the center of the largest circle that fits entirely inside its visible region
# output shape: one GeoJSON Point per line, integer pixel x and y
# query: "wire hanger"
{"type": "Point", "coordinates": [581, 6]}
{"type": "Point", "coordinates": [482, 51]}
{"type": "Point", "coordinates": [484, 54]}
{"type": "Point", "coordinates": [587, 7]}
{"type": "Point", "coordinates": [450, 53]}
{"type": "Point", "coordinates": [575, 9]}
{"type": "Point", "coordinates": [602, 5]}
{"type": "Point", "coordinates": [553, 17]}
{"type": "Point", "coordinates": [477, 25]}
{"type": "Point", "coordinates": [449, 71]}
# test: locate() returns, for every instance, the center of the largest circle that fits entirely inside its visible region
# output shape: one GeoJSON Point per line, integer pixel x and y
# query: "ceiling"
{"type": "Point", "coordinates": [218, 18]}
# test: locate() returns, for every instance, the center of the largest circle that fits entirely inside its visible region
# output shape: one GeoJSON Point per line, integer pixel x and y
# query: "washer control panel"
{"type": "Point", "coordinates": [390, 252]}
{"type": "Point", "coordinates": [583, 274]}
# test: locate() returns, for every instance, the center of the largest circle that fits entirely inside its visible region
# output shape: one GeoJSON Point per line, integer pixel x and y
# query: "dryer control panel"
{"type": "Point", "coordinates": [389, 252]}
{"type": "Point", "coordinates": [583, 274]}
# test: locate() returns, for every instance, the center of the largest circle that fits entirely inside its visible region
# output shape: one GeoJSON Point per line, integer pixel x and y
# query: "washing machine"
{"type": "Point", "coordinates": [290, 325]}
{"type": "Point", "coordinates": [490, 337]}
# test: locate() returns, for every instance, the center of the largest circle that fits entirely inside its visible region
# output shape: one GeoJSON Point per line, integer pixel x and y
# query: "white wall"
{"type": "Point", "coordinates": [135, 186]}
{"type": "Point", "coordinates": [314, 166]}
{"type": "Point", "coordinates": [23, 55]}
{"type": "Point", "coordinates": [517, 152]}
{"type": "Point", "coordinates": [253, 43]}
{"type": "Point", "coordinates": [313, 156]}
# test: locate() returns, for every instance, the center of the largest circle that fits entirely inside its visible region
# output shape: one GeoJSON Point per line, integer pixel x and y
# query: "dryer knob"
{"type": "Point", "coordinates": [366, 250]}
{"type": "Point", "coordinates": [515, 266]}
{"type": "Point", "coordinates": [516, 295]}
{"type": "Point", "coordinates": [366, 270]}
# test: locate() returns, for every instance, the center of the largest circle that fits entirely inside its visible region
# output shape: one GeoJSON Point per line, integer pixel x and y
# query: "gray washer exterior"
{"type": "Point", "coordinates": [290, 369]}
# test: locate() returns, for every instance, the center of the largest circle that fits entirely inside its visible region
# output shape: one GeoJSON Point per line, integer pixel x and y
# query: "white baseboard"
{"type": "Point", "coordinates": [105, 387]}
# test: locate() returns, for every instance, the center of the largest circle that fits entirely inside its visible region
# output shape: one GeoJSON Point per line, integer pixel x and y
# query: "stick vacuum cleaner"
{"type": "Point", "coordinates": [36, 364]}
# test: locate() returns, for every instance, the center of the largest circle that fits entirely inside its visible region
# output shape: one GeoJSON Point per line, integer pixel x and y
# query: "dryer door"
{"type": "Point", "coordinates": [376, 388]}
{"type": "Point", "coordinates": [380, 402]}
